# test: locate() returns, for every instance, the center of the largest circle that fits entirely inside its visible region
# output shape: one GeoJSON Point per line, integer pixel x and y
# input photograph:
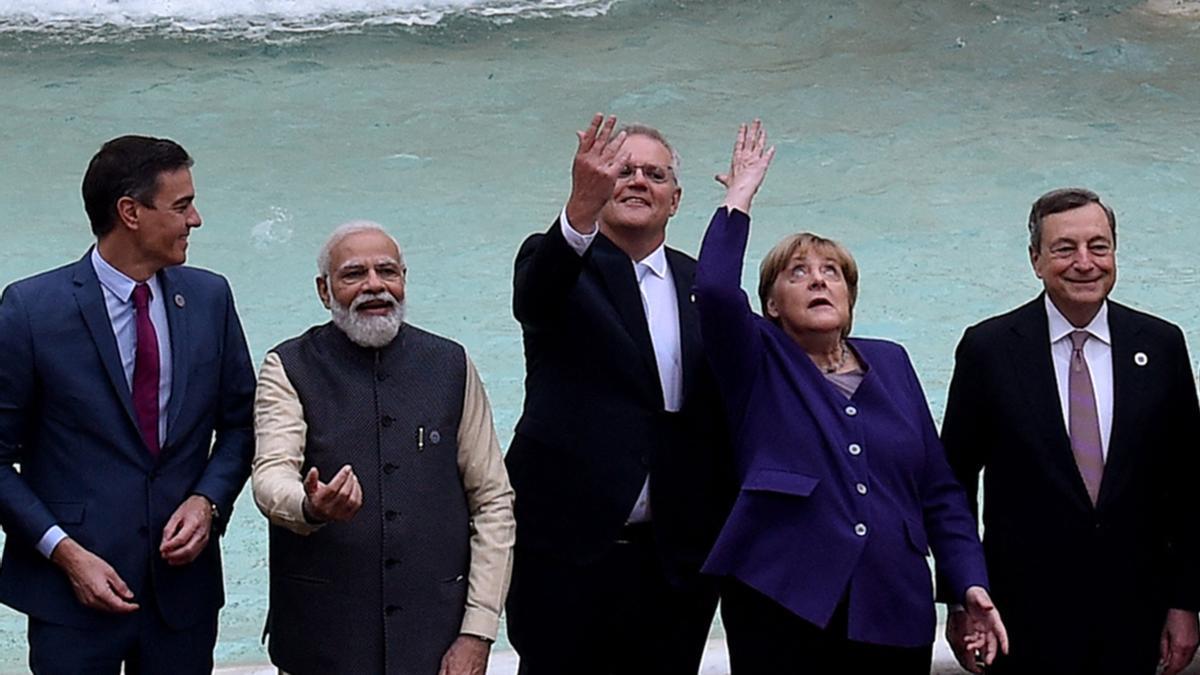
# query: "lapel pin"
{"type": "Point", "coordinates": [179, 302]}
{"type": "Point", "coordinates": [693, 297]}
{"type": "Point", "coordinates": [435, 437]}
{"type": "Point", "coordinates": [1141, 359]}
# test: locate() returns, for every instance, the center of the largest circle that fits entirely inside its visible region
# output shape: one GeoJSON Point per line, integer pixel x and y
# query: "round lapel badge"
{"type": "Point", "coordinates": [179, 302]}
{"type": "Point", "coordinates": [435, 437]}
{"type": "Point", "coordinates": [1141, 359]}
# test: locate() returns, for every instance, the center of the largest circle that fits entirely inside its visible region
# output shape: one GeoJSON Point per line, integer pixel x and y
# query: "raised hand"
{"type": "Point", "coordinates": [598, 160]}
{"type": "Point", "coordinates": [748, 168]}
{"type": "Point", "coordinates": [339, 499]}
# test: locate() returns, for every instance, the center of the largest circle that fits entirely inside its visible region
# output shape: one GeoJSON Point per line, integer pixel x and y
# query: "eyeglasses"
{"type": "Point", "coordinates": [652, 172]}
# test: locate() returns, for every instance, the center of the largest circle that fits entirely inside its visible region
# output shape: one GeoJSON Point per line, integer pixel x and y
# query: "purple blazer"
{"type": "Point", "coordinates": [839, 497]}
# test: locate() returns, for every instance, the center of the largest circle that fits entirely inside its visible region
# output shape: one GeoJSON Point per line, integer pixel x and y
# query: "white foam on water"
{"type": "Point", "coordinates": [262, 18]}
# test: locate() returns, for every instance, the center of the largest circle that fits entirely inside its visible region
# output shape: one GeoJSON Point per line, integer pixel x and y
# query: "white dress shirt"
{"type": "Point", "coordinates": [660, 303]}
{"type": "Point", "coordinates": [118, 299]}
{"type": "Point", "coordinates": [1097, 351]}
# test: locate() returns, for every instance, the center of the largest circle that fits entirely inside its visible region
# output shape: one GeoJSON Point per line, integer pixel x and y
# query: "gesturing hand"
{"type": "Point", "coordinates": [598, 160]}
{"type": "Point", "coordinates": [339, 499]}
{"type": "Point", "coordinates": [748, 168]}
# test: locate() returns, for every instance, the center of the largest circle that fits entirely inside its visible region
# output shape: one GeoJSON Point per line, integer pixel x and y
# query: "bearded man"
{"type": "Point", "coordinates": [400, 563]}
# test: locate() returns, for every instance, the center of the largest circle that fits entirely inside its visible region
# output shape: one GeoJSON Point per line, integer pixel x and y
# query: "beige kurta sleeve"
{"type": "Point", "coordinates": [490, 500]}
{"type": "Point", "coordinates": [279, 430]}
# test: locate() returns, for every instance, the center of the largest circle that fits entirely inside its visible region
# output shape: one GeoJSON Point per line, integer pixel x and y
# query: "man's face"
{"type": "Point", "coordinates": [365, 288]}
{"type": "Point", "coordinates": [1076, 259]}
{"type": "Point", "coordinates": [647, 194]}
{"type": "Point", "coordinates": [163, 225]}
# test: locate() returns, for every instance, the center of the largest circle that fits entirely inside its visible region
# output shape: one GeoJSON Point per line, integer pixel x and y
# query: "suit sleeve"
{"type": "Point", "coordinates": [22, 513]}
{"type": "Point", "coordinates": [951, 525]}
{"type": "Point", "coordinates": [962, 428]}
{"type": "Point", "coordinates": [232, 451]}
{"type": "Point", "coordinates": [1184, 541]}
{"type": "Point", "coordinates": [727, 324]}
{"type": "Point", "coordinates": [545, 272]}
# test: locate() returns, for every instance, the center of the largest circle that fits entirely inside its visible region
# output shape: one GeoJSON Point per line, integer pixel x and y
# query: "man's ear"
{"type": "Point", "coordinates": [127, 213]}
{"type": "Point", "coordinates": [1033, 261]}
{"type": "Point", "coordinates": [323, 290]}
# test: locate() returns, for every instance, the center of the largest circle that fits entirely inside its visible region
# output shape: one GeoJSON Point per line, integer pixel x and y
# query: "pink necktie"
{"type": "Point", "coordinates": [1084, 423]}
{"type": "Point", "coordinates": [145, 370]}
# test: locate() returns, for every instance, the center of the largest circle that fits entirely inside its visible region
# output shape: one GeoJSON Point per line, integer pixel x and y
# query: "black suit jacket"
{"type": "Point", "coordinates": [1074, 581]}
{"type": "Point", "coordinates": [593, 425]}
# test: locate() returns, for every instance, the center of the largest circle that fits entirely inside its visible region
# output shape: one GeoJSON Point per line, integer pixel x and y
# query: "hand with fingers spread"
{"type": "Point", "coordinates": [187, 531]}
{"type": "Point", "coordinates": [95, 583]}
{"type": "Point", "coordinates": [748, 168]}
{"type": "Point", "coordinates": [337, 500]}
{"type": "Point", "coordinates": [598, 160]}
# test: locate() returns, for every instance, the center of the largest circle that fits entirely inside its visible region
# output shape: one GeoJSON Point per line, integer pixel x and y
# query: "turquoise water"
{"type": "Point", "coordinates": [918, 132]}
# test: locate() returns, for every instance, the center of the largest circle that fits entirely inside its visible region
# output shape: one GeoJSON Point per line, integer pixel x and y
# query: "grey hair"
{"type": "Point", "coordinates": [651, 132]}
{"type": "Point", "coordinates": [344, 230]}
{"type": "Point", "coordinates": [1065, 199]}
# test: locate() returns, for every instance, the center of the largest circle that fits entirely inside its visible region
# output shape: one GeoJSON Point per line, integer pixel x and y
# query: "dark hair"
{"type": "Point", "coordinates": [128, 166]}
{"type": "Point", "coordinates": [1064, 199]}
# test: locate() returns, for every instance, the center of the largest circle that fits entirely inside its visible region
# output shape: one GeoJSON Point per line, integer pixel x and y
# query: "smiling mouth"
{"type": "Point", "coordinates": [635, 201]}
{"type": "Point", "coordinates": [375, 306]}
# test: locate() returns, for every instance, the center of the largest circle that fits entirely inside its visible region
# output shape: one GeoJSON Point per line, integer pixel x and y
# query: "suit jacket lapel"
{"type": "Point", "coordinates": [1128, 388]}
{"type": "Point", "coordinates": [1033, 366]}
{"type": "Point", "coordinates": [90, 299]}
{"type": "Point", "coordinates": [175, 295]}
{"type": "Point", "coordinates": [683, 271]}
{"type": "Point", "coordinates": [619, 278]}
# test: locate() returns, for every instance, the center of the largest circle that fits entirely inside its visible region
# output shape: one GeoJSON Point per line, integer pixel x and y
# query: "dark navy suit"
{"type": "Point", "coordinates": [840, 499]}
{"type": "Point", "coordinates": [67, 422]}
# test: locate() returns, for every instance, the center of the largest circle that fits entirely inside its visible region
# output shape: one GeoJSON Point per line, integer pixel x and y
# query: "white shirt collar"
{"type": "Point", "coordinates": [112, 278]}
{"type": "Point", "coordinates": [656, 262]}
{"type": "Point", "coordinates": [1060, 328]}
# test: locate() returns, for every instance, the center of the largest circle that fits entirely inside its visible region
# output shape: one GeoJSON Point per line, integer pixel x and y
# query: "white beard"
{"type": "Point", "coordinates": [368, 330]}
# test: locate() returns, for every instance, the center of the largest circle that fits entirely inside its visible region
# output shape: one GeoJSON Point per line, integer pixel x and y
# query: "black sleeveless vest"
{"type": "Point", "coordinates": [385, 591]}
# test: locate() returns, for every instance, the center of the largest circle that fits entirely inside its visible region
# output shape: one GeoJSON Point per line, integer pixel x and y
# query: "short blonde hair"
{"type": "Point", "coordinates": [776, 261]}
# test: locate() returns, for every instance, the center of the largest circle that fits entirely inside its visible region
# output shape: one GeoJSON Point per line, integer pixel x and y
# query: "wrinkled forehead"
{"type": "Point", "coordinates": [644, 149]}
{"type": "Point", "coordinates": [367, 262]}
{"type": "Point", "coordinates": [819, 251]}
{"type": "Point", "coordinates": [364, 247]}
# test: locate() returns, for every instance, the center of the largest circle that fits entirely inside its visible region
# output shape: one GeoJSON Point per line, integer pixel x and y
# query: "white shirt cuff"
{"type": "Point", "coordinates": [578, 242]}
{"type": "Point", "coordinates": [51, 539]}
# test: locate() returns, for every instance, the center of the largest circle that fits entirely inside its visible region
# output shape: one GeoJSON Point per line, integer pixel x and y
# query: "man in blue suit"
{"type": "Point", "coordinates": [117, 371]}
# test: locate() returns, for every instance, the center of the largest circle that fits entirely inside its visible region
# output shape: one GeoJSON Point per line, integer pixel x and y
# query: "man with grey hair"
{"type": "Point", "coordinates": [620, 457]}
{"type": "Point", "coordinates": [1080, 412]}
{"type": "Point", "coordinates": [400, 563]}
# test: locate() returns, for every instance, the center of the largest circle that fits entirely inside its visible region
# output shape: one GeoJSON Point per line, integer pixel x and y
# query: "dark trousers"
{"type": "Point", "coordinates": [140, 641]}
{"type": "Point", "coordinates": [616, 616]}
{"type": "Point", "coordinates": [764, 638]}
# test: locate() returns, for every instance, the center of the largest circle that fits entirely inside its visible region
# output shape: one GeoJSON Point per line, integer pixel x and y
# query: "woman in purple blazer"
{"type": "Point", "coordinates": [844, 484]}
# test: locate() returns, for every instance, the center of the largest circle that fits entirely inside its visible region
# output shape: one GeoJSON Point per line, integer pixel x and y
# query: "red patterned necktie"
{"type": "Point", "coordinates": [1083, 421]}
{"type": "Point", "coordinates": [145, 370]}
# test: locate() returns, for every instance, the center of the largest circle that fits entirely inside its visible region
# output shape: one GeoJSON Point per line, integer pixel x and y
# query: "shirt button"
{"type": "Point", "coordinates": [862, 489]}
{"type": "Point", "coordinates": [855, 449]}
{"type": "Point", "coordinates": [851, 410]}
{"type": "Point", "coordinates": [860, 530]}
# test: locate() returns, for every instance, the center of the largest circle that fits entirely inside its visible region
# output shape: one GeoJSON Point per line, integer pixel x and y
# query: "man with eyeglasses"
{"type": "Point", "coordinates": [620, 459]}
{"type": "Point", "coordinates": [1082, 414]}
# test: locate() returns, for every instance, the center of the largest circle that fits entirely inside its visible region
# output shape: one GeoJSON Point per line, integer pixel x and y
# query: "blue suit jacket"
{"type": "Point", "coordinates": [803, 450]}
{"type": "Point", "coordinates": [67, 423]}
